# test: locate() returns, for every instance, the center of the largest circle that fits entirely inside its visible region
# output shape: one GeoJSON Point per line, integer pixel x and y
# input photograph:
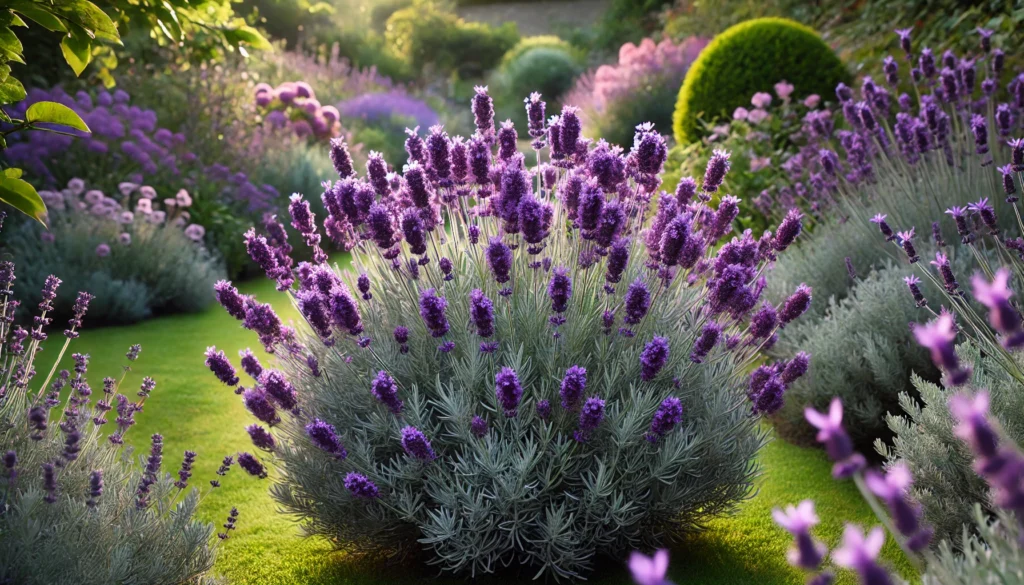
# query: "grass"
{"type": "Point", "coordinates": [194, 411]}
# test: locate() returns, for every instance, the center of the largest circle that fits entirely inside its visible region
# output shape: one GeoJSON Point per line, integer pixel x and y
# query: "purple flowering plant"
{"type": "Point", "coordinates": [550, 315]}
{"type": "Point", "coordinates": [67, 477]}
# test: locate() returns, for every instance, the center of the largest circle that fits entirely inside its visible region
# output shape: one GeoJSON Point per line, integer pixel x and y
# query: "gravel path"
{"type": "Point", "coordinates": [538, 18]}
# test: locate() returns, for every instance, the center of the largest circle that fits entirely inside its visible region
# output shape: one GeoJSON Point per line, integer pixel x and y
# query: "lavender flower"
{"type": "Point", "coordinates": [483, 112]}
{"type": "Point", "coordinates": [432, 310]}
{"type": "Point", "coordinates": [837, 443]}
{"type": "Point", "coordinates": [591, 417]}
{"type": "Point", "coordinates": [637, 302]}
{"type": "Point", "coordinates": [707, 339]}
{"type": "Point", "coordinates": [715, 172]}
{"type": "Point", "coordinates": [259, 405]}
{"type": "Point", "coordinates": [250, 363]}
{"type": "Point", "coordinates": [884, 227]}
{"type": "Point", "coordinates": [668, 415]}
{"type": "Point", "coordinates": [544, 409]}
{"type": "Point", "coordinates": [795, 368]}
{"type": "Point", "coordinates": [649, 570]}
{"type": "Point", "coordinates": [789, 229]}
{"type": "Point", "coordinates": [416, 444]}
{"type": "Point", "coordinates": [860, 553]}
{"type": "Point", "coordinates": [987, 214]}
{"type": "Point", "coordinates": [653, 358]}
{"type": "Point", "coordinates": [499, 258]}
{"type": "Point", "coordinates": [261, 437]}
{"type": "Point", "coordinates": [341, 159]}
{"type": "Point", "coordinates": [325, 437]}
{"type": "Point", "coordinates": [906, 513]}
{"type": "Point", "coordinates": [938, 336]}
{"type": "Point", "coordinates": [229, 297]}
{"type": "Point", "coordinates": [508, 390]}
{"type": "Point", "coordinates": [252, 465]}
{"type": "Point", "coordinates": [1003, 317]}
{"type": "Point", "coordinates": [385, 391]}
{"type": "Point", "coordinates": [796, 305]}
{"type": "Point", "coordinates": [95, 487]}
{"type": "Point", "coordinates": [798, 520]}
{"type": "Point", "coordinates": [573, 385]}
{"type": "Point", "coordinates": [360, 487]}
{"type": "Point", "coordinates": [77, 314]}
{"type": "Point", "coordinates": [478, 426]}
{"type": "Point", "coordinates": [481, 313]}
{"type": "Point", "coordinates": [560, 289]}
{"type": "Point", "coordinates": [220, 366]}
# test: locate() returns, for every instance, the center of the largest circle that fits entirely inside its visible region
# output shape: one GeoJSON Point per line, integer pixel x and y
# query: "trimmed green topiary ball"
{"type": "Point", "coordinates": [750, 57]}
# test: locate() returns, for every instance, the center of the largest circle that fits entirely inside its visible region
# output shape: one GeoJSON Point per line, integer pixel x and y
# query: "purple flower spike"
{"type": "Point", "coordinates": [860, 554]}
{"type": "Point", "coordinates": [906, 513]}
{"type": "Point", "coordinates": [560, 289]}
{"type": "Point", "coordinates": [938, 336]}
{"type": "Point", "coordinates": [478, 426]}
{"type": "Point", "coordinates": [884, 227]}
{"type": "Point", "coordinates": [573, 385]}
{"type": "Point", "coordinates": [261, 437]}
{"type": "Point", "coordinates": [499, 258]}
{"type": "Point", "coordinates": [715, 172]}
{"type": "Point", "coordinates": [789, 229]}
{"type": "Point", "coordinates": [324, 436]}
{"type": "Point", "coordinates": [432, 310]}
{"type": "Point", "coordinates": [481, 313]}
{"type": "Point", "coordinates": [913, 283]}
{"type": "Point", "coordinates": [974, 427]}
{"type": "Point", "coordinates": [837, 443]}
{"type": "Point", "coordinates": [385, 390]}
{"type": "Point", "coordinates": [591, 417]}
{"type": "Point", "coordinates": [508, 390]}
{"type": "Point", "coordinates": [705, 342]}
{"type": "Point", "coordinates": [906, 241]}
{"type": "Point", "coordinates": [544, 409]}
{"type": "Point", "coordinates": [798, 521]}
{"type": "Point", "coordinates": [220, 366]}
{"type": "Point", "coordinates": [252, 465]}
{"type": "Point", "coordinates": [653, 358]}
{"type": "Point", "coordinates": [637, 302]}
{"type": "Point", "coordinates": [416, 444]}
{"type": "Point", "coordinates": [987, 214]}
{"type": "Point", "coordinates": [666, 418]}
{"type": "Point", "coordinates": [359, 486]}
{"type": "Point", "coordinates": [796, 305]}
{"type": "Point", "coordinates": [1003, 317]}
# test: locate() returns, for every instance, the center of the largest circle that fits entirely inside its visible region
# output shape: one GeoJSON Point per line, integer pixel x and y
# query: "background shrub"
{"type": "Point", "coordinates": [862, 350]}
{"type": "Point", "coordinates": [549, 70]}
{"type": "Point", "coordinates": [751, 57]}
{"type": "Point", "coordinates": [160, 271]}
{"type": "Point", "coordinates": [945, 482]}
{"type": "Point", "coordinates": [641, 87]}
{"type": "Point", "coordinates": [528, 43]}
{"type": "Point", "coordinates": [423, 35]}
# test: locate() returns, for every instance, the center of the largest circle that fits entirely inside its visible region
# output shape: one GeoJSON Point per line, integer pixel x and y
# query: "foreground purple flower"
{"type": "Point", "coordinates": [837, 443]}
{"type": "Point", "coordinates": [649, 570]}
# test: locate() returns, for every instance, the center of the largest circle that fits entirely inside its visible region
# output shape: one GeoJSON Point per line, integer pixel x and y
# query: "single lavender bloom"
{"type": "Point", "coordinates": [618, 259]}
{"type": "Point", "coordinates": [979, 126]}
{"type": "Point", "coordinates": [906, 241]}
{"type": "Point", "coordinates": [341, 159]}
{"type": "Point", "coordinates": [728, 209]}
{"type": "Point", "coordinates": [715, 172]}
{"type": "Point", "coordinates": [941, 262]}
{"type": "Point", "coordinates": [798, 520]}
{"type": "Point", "coordinates": [960, 218]}
{"type": "Point", "coordinates": [344, 309]}
{"type": "Point", "coordinates": [325, 437]}
{"type": "Point", "coordinates": [220, 366]}
{"type": "Point", "coordinates": [382, 229]}
{"type": "Point", "coordinates": [1009, 185]}
{"type": "Point", "coordinates": [376, 172]}
{"type": "Point", "coordinates": [95, 487]}
{"type": "Point", "coordinates": [360, 486]}
{"type": "Point", "coordinates": [483, 112]}
{"type": "Point", "coordinates": [591, 206]}
{"type": "Point", "coordinates": [481, 313]}
{"type": "Point", "coordinates": [49, 483]}
{"type": "Point", "coordinates": [837, 443]}
{"type": "Point", "coordinates": [439, 153]}
{"type": "Point", "coordinates": [416, 444]}
{"type": "Point", "coordinates": [10, 461]}
{"type": "Point", "coordinates": [987, 214]}
{"type": "Point", "coordinates": [796, 305]}
{"type": "Point", "coordinates": [685, 190]}
{"type": "Point", "coordinates": [279, 389]}
{"type": "Point", "coordinates": [637, 302]}
{"type": "Point", "coordinates": [363, 284]}
{"type": "Point", "coordinates": [185, 471]}
{"type": "Point", "coordinates": [613, 218]}
{"type": "Point", "coordinates": [591, 417]}
{"type": "Point", "coordinates": [653, 358]}
{"type": "Point", "coordinates": [261, 437]}
{"type": "Point", "coordinates": [926, 61]}
{"type": "Point", "coordinates": [573, 385]}
{"type": "Point", "coordinates": [850, 270]}
{"type": "Point", "coordinates": [904, 35]}
{"type": "Point", "coordinates": [789, 229]}
{"type": "Point", "coordinates": [77, 314]}
{"type": "Point", "coordinates": [707, 339]}
{"type": "Point", "coordinates": [256, 402]}
{"type": "Point", "coordinates": [560, 289]}
{"type": "Point", "coordinates": [535, 115]}
{"type": "Point", "coordinates": [906, 513]}
{"type": "Point", "coordinates": [432, 310]}
{"type": "Point", "coordinates": [252, 465]}
{"type": "Point", "coordinates": [763, 322]}
{"type": "Point", "coordinates": [884, 227]}
{"type": "Point", "coordinates": [544, 409]}
{"type": "Point", "coordinates": [795, 368]}
{"type": "Point", "coordinates": [860, 553]}
{"type": "Point", "coordinates": [250, 363]}
{"type": "Point", "coordinates": [478, 426]}
{"type": "Point", "coordinates": [385, 390]}
{"type": "Point", "coordinates": [666, 418]}
{"type": "Point", "coordinates": [649, 570]}
{"type": "Point", "coordinates": [995, 295]}
{"type": "Point", "coordinates": [446, 267]}
{"type": "Point", "coordinates": [971, 412]}
{"type": "Point", "coordinates": [508, 390]}
{"type": "Point", "coordinates": [229, 297]}
{"type": "Point", "coordinates": [499, 258]}
{"type": "Point", "coordinates": [507, 138]}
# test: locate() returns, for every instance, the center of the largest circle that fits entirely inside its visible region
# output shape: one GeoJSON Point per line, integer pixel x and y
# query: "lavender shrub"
{"type": "Point", "coordinates": [77, 507]}
{"type": "Point", "coordinates": [516, 347]}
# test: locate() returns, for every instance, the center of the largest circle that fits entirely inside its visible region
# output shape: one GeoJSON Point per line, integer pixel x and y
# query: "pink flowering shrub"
{"type": "Point", "coordinates": [293, 106]}
{"type": "Point", "coordinates": [138, 253]}
{"type": "Point", "coordinates": [640, 88]}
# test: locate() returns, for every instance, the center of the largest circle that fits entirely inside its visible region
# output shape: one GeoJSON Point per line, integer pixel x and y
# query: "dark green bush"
{"type": "Point", "coordinates": [425, 36]}
{"type": "Point", "coordinates": [751, 57]}
{"type": "Point", "coordinates": [545, 69]}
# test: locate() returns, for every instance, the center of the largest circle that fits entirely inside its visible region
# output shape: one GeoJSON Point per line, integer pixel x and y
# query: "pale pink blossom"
{"type": "Point", "coordinates": [761, 100]}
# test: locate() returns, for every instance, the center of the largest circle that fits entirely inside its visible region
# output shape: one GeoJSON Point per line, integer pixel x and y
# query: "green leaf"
{"type": "Point", "coordinates": [17, 21]}
{"type": "Point", "coordinates": [54, 113]}
{"type": "Point", "coordinates": [12, 173]}
{"type": "Point", "coordinates": [5, 70]}
{"type": "Point", "coordinates": [248, 35]}
{"type": "Point", "coordinates": [10, 46]}
{"type": "Point", "coordinates": [22, 196]}
{"type": "Point", "coordinates": [88, 16]}
{"type": "Point", "coordinates": [38, 14]}
{"type": "Point", "coordinates": [77, 51]}
{"type": "Point", "coordinates": [11, 91]}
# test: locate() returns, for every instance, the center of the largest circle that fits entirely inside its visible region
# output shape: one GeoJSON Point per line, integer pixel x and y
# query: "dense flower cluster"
{"type": "Point", "coordinates": [475, 282]}
{"type": "Point", "coordinates": [293, 104]}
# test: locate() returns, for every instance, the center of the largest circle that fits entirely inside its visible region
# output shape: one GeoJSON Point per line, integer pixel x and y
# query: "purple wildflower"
{"type": "Point", "coordinates": [416, 444]}
{"type": "Point", "coordinates": [707, 339]}
{"type": "Point", "coordinates": [220, 366]}
{"type": "Point", "coordinates": [261, 437]}
{"type": "Point", "coordinates": [666, 418]}
{"type": "Point", "coordinates": [360, 486]}
{"type": "Point", "coordinates": [252, 465]}
{"type": "Point", "coordinates": [385, 390]}
{"type": "Point", "coordinates": [508, 390]}
{"type": "Point", "coordinates": [325, 437]}
{"type": "Point", "coordinates": [591, 417]}
{"type": "Point", "coordinates": [637, 302]}
{"type": "Point", "coordinates": [653, 358]}
{"type": "Point", "coordinates": [837, 443]}
{"type": "Point", "coordinates": [481, 313]}
{"type": "Point", "coordinates": [573, 385]}
{"type": "Point", "coordinates": [478, 426]}
{"type": "Point", "coordinates": [560, 289]}
{"type": "Point", "coordinates": [798, 520]}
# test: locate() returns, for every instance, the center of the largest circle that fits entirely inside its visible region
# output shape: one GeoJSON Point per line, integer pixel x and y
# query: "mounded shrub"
{"type": "Point", "coordinates": [505, 388]}
{"type": "Point", "coordinates": [528, 43]}
{"type": "Point", "coordinates": [549, 70]}
{"type": "Point", "coordinates": [424, 36]}
{"type": "Point", "coordinates": [875, 319]}
{"type": "Point", "coordinates": [77, 505]}
{"type": "Point", "coordinates": [748, 58]}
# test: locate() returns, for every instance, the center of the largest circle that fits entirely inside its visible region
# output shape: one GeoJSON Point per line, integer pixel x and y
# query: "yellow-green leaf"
{"type": "Point", "coordinates": [77, 52]}
{"type": "Point", "coordinates": [39, 15]}
{"type": "Point", "coordinates": [54, 113]}
{"type": "Point", "coordinates": [12, 173]}
{"type": "Point", "coordinates": [22, 196]}
{"type": "Point", "coordinates": [11, 91]}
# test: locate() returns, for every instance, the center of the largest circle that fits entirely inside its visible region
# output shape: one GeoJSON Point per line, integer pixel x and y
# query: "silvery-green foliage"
{"type": "Point", "coordinates": [862, 350]}
{"type": "Point", "coordinates": [527, 492]}
{"type": "Point", "coordinates": [993, 555]}
{"type": "Point", "coordinates": [944, 481]}
{"type": "Point", "coordinates": [58, 524]}
{"type": "Point", "coordinates": [159, 271]}
{"type": "Point", "coordinates": [912, 196]}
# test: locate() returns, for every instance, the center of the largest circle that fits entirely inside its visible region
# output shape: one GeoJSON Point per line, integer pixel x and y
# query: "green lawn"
{"type": "Point", "coordinates": [194, 411]}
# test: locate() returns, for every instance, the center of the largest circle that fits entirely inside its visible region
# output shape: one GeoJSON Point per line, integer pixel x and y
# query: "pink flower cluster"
{"type": "Point", "coordinates": [294, 103]}
{"type": "Point", "coordinates": [136, 203]}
